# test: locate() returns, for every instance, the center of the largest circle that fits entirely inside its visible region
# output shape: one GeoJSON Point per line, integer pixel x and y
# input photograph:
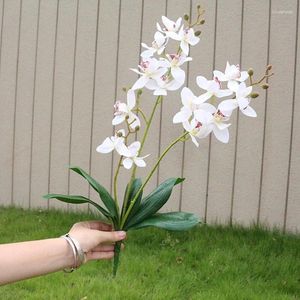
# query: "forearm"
{"type": "Point", "coordinates": [29, 259]}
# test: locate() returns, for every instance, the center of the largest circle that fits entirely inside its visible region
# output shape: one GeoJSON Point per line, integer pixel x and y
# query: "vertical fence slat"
{"type": "Point", "coordinates": [24, 98]}
{"type": "Point", "coordinates": [279, 112]}
{"type": "Point", "coordinates": [62, 98]}
{"type": "Point", "coordinates": [251, 130]}
{"type": "Point", "coordinates": [171, 165]}
{"type": "Point", "coordinates": [129, 46]}
{"type": "Point", "coordinates": [9, 53]}
{"type": "Point", "coordinates": [105, 81]}
{"type": "Point", "coordinates": [196, 159]}
{"type": "Point", "coordinates": [42, 104]}
{"type": "Point", "coordinates": [293, 204]}
{"type": "Point", "coordinates": [222, 155]}
{"type": "Point", "coordinates": [83, 95]}
{"type": "Point", "coordinates": [153, 10]}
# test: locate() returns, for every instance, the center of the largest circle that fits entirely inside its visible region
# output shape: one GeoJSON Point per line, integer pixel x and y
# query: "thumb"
{"type": "Point", "coordinates": [111, 236]}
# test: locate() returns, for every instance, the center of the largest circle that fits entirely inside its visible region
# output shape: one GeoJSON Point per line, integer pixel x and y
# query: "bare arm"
{"type": "Point", "coordinates": [29, 259]}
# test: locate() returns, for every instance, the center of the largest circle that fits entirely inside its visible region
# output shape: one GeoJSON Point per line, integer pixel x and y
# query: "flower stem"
{"type": "Point", "coordinates": [180, 138]}
{"type": "Point", "coordinates": [116, 261]}
{"type": "Point", "coordinates": [158, 100]}
{"type": "Point", "coordinates": [115, 183]}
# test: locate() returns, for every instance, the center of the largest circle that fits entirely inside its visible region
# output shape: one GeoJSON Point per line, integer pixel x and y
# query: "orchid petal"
{"type": "Point", "coordinates": [249, 111]}
{"type": "Point", "coordinates": [140, 83]}
{"type": "Point", "coordinates": [221, 76]}
{"type": "Point", "coordinates": [202, 82]}
{"type": "Point", "coordinates": [106, 147]}
{"type": "Point", "coordinates": [127, 163]}
{"type": "Point", "coordinates": [221, 135]}
{"type": "Point", "coordinates": [118, 119]}
{"type": "Point", "coordinates": [139, 162]}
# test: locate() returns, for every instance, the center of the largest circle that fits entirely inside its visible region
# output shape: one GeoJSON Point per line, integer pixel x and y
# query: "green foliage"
{"type": "Point", "coordinates": [174, 221]}
{"type": "Point", "coordinates": [74, 199]}
{"type": "Point", "coordinates": [103, 193]}
{"type": "Point", "coordinates": [153, 202]}
{"type": "Point", "coordinates": [135, 186]}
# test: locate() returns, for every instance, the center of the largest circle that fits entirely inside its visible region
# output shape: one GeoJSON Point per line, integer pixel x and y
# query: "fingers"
{"type": "Point", "coordinates": [97, 225]}
{"type": "Point", "coordinates": [100, 255]}
{"type": "Point", "coordinates": [111, 236]}
{"type": "Point", "coordinates": [102, 252]}
{"type": "Point", "coordinates": [106, 248]}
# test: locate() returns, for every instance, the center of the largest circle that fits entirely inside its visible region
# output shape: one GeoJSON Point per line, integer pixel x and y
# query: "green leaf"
{"type": "Point", "coordinates": [170, 221]}
{"type": "Point", "coordinates": [154, 201]}
{"type": "Point", "coordinates": [103, 193]}
{"type": "Point", "coordinates": [136, 184]}
{"type": "Point", "coordinates": [75, 199]}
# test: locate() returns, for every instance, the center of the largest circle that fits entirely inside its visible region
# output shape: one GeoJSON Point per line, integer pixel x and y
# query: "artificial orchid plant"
{"type": "Point", "coordinates": [160, 71]}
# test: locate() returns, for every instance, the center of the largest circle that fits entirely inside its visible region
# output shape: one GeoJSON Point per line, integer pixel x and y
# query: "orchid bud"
{"type": "Point", "coordinates": [127, 117]}
{"type": "Point", "coordinates": [202, 22]}
{"type": "Point", "coordinates": [139, 92]}
{"type": "Point", "coordinates": [265, 86]}
{"type": "Point", "coordinates": [254, 95]}
{"type": "Point", "coordinates": [119, 134]}
{"type": "Point", "coordinates": [198, 6]}
{"type": "Point", "coordinates": [250, 72]}
{"type": "Point", "coordinates": [137, 128]}
{"type": "Point", "coordinates": [186, 17]}
{"type": "Point", "coordinates": [269, 67]}
{"type": "Point", "coordinates": [197, 33]}
{"type": "Point", "coordinates": [124, 89]}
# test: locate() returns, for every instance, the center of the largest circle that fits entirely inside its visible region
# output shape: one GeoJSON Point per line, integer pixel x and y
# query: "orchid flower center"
{"type": "Point", "coordinates": [219, 117]}
{"type": "Point", "coordinates": [216, 79]}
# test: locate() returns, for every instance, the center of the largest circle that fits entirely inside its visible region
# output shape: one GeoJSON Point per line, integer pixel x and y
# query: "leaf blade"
{"type": "Point", "coordinates": [154, 201]}
{"type": "Point", "coordinates": [104, 195]}
{"type": "Point", "coordinates": [77, 199]}
{"type": "Point", "coordinates": [175, 221]}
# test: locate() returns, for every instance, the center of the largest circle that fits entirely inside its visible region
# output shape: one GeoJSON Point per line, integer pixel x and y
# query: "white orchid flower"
{"type": "Point", "coordinates": [115, 142]}
{"type": "Point", "coordinates": [133, 157]}
{"type": "Point", "coordinates": [216, 122]}
{"type": "Point", "coordinates": [169, 25]}
{"type": "Point", "coordinates": [232, 73]}
{"type": "Point", "coordinates": [123, 111]}
{"type": "Point", "coordinates": [242, 100]}
{"type": "Point", "coordinates": [150, 69]}
{"type": "Point", "coordinates": [174, 61]}
{"type": "Point", "coordinates": [190, 104]}
{"type": "Point", "coordinates": [213, 88]}
{"type": "Point", "coordinates": [186, 37]}
{"type": "Point", "coordinates": [162, 84]}
{"type": "Point", "coordinates": [198, 129]}
{"type": "Point", "coordinates": [158, 46]}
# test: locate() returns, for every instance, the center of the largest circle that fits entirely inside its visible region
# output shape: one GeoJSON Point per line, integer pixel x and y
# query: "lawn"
{"type": "Point", "coordinates": [204, 263]}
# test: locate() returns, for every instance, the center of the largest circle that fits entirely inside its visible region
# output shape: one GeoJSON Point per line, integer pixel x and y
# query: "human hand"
{"type": "Point", "coordinates": [96, 239]}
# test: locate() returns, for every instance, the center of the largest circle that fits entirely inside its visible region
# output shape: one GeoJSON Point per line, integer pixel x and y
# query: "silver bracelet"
{"type": "Point", "coordinates": [79, 255]}
{"type": "Point", "coordinates": [69, 270]}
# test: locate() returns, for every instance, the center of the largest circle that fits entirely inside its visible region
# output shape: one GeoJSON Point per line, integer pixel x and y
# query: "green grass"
{"type": "Point", "coordinates": [204, 263]}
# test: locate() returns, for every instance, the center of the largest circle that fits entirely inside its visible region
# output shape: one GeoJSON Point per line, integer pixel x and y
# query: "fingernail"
{"type": "Point", "coordinates": [121, 234]}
